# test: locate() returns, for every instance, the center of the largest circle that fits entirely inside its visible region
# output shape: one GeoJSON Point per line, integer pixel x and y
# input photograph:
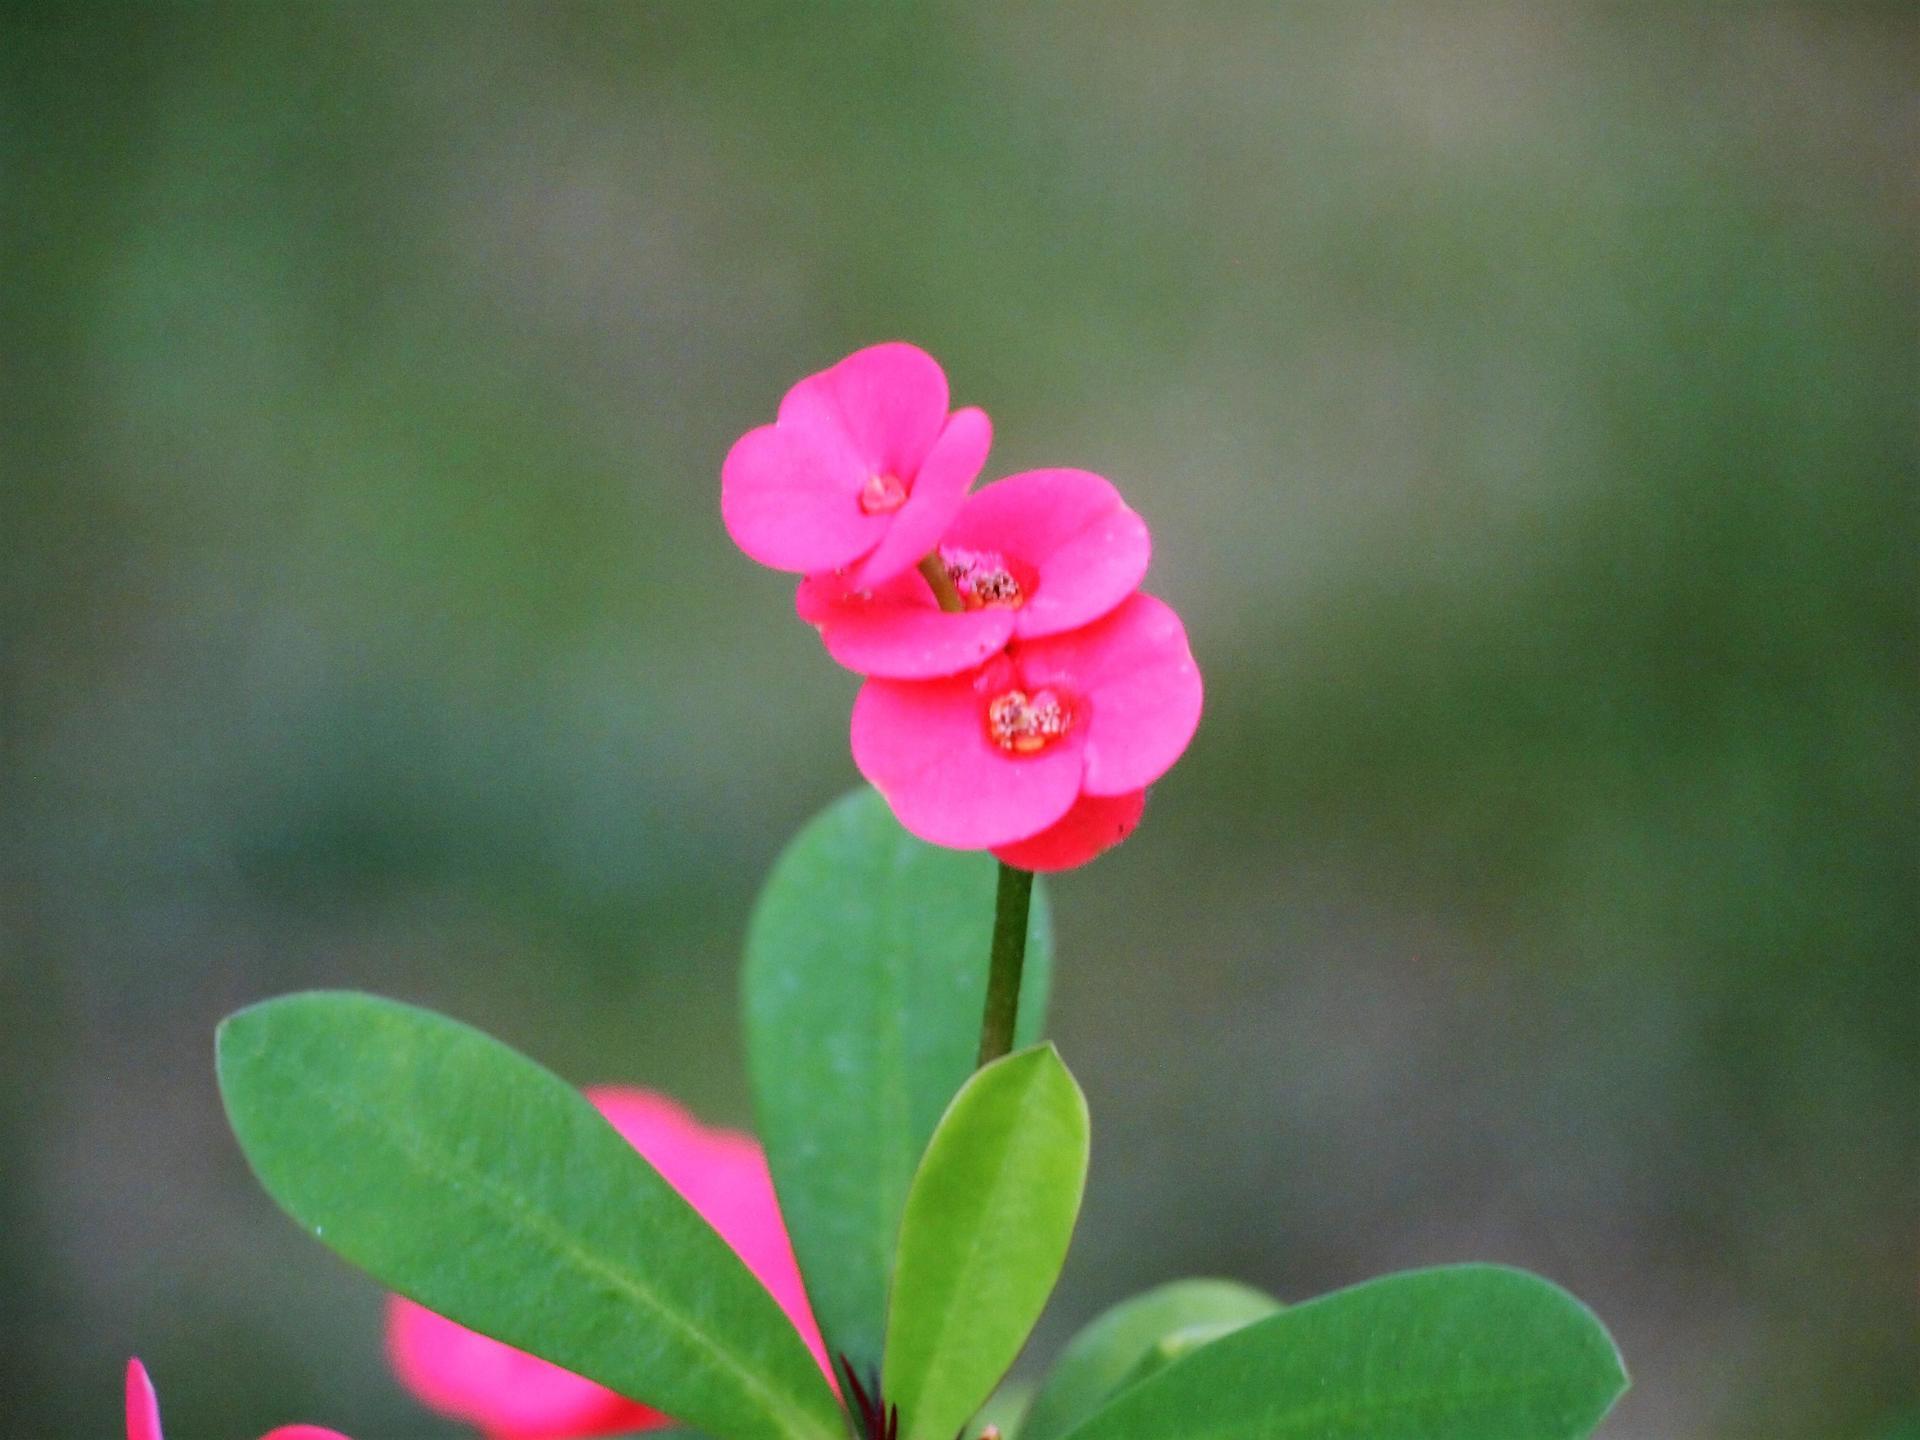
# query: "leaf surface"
{"type": "Point", "coordinates": [464, 1176]}
{"type": "Point", "coordinates": [866, 975]}
{"type": "Point", "coordinates": [1467, 1352]}
{"type": "Point", "coordinates": [1112, 1350]}
{"type": "Point", "coordinates": [986, 1229]}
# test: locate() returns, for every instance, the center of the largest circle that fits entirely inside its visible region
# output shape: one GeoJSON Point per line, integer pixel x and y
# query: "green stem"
{"type": "Point", "coordinates": [935, 569]}
{"type": "Point", "coordinates": [1009, 957]}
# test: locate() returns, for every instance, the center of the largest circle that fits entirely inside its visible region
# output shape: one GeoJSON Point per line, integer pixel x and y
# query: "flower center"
{"type": "Point", "coordinates": [983, 578]}
{"type": "Point", "coordinates": [1023, 724]}
{"type": "Point", "coordinates": [883, 494]}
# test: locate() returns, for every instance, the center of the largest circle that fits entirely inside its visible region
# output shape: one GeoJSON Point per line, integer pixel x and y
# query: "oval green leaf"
{"type": "Point", "coordinates": [1113, 1350]}
{"type": "Point", "coordinates": [1468, 1352]}
{"type": "Point", "coordinates": [985, 1232]}
{"type": "Point", "coordinates": [464, 1176]}
{"type": "Point", "coordinates": [865, 978]}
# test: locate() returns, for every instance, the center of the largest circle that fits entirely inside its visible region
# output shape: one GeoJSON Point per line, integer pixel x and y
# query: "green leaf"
{"type": "Point", "coordinates": [986, 1229]}
{"type": "Point", "coordinates": [1175, 1345]}
{"type": "Point", "coordinates": [1468, 1352]}
{"type": "Point", "coordinates": [865, 979]}
{"type": "Point", "coordinates": [468, 1178]}
{"type": "Point", "coordinates": [1113, 1350]}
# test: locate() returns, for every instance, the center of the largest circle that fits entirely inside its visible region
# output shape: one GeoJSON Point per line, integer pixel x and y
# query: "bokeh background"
{"type": "Point", "coordinates": [1523, 398]}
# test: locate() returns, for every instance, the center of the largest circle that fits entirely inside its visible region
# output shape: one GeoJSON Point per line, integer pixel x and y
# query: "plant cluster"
{"type": "Point", "coordinates": [571, 1263]}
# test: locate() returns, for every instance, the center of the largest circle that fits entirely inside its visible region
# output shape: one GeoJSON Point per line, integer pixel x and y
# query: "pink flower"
{"type": "Point", "coordinates": [1033, 555]}
{"type": "Point", "coordinates": [1041, 753]}
{"type": "Point", "coordinates": [862, 470]}
{"type": "Point", "coordinates": [143, 1413]}
{"type": "Point", "coordinates": [510, 1395]}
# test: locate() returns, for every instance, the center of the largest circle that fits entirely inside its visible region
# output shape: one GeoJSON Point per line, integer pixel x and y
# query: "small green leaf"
{"type": "Point", "coordinates": [1175, 1345]}
{"type": "Point", "coordinates": [466, 1177]}
{"type": "Point", "coordinates": [986, 1229]}
{"type": "Point", "coordinates": [1121, 1346]}
{"type": "Point", "coordinates": [1468, 1352]}
{"type": "Point", "coordinates": [866, 975]}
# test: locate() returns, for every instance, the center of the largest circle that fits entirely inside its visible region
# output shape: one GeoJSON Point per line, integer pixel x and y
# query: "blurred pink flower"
{"type": "Point", "coordinates": [1032, 555]}
{"type": "Point", "coordinates": [143, 1413]}
{"type": "Point", "coordinates": [1011, 756]}
{"type": "Point", "coordinates": [861, 471]}
{"type": "Point", "coordinates": [510, 1395]}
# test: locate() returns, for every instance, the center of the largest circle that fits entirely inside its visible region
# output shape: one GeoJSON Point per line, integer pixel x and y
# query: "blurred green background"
{"type": "Point", "coordinates": [1523, 399]}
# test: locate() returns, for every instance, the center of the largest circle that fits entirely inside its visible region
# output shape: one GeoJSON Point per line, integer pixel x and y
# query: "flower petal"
{"type": "Point", "coordinates": [505, 1392]}
{"type": "Point", "coordinates": [1142, 689]}
{"type": "Point", "coordinates": [897, 630]}
{"type": "Point", "coordinates": [1096, 823]}
{"type": "Point", "coordinates": [923, 745]}
{"type": "Point", "coordinates": [1072, 527]}
{"type": "Point", "coordinates": [302, 1432]}
{"type": "Point", "coordinates": [939, 487]}
{"type": "Point", "coordinates": [143, 1405]}
{"type": "Point", "coordinates": [886, 404]}
{"type": "Point", "coordinates": [793, 505]}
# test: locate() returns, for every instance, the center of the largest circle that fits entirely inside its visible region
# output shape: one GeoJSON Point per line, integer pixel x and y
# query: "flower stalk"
{"type": "Point", "coordinates": [1012, 899]}
{"type": "Point", "coordinates": [941, 580]}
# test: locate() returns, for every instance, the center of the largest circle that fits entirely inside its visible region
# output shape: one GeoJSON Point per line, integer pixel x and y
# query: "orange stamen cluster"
{"type": "Point", "coordinates": [1025, 725]}
{"type": "Point", "coordinates": [983, 579]}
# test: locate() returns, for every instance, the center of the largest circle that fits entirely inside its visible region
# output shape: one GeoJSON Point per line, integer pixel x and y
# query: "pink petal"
{"type": "Point", "coordinates": [1071, 526]}
{"type": "Point", "coordinates": [923, 745]}
{"type": "Point", "coordinates": [939, 487]}
{"type": "Point", "coordinates": [506, 1393]}
{"type": "Point", "coordinates": [143, 1405]}
{"type": "Point", "coordinates": [793, 505]}
{"type": "Point", "coordinates": [1141, 688]}
{"type": "Point", "coordinates": [897, 630]}
{"type": "Point", "coordinates": [302, 1432]}
{"type": "Point", "coordinates": [885, 404]}
{"type": "Point", "coordinates": [1094, 824]}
